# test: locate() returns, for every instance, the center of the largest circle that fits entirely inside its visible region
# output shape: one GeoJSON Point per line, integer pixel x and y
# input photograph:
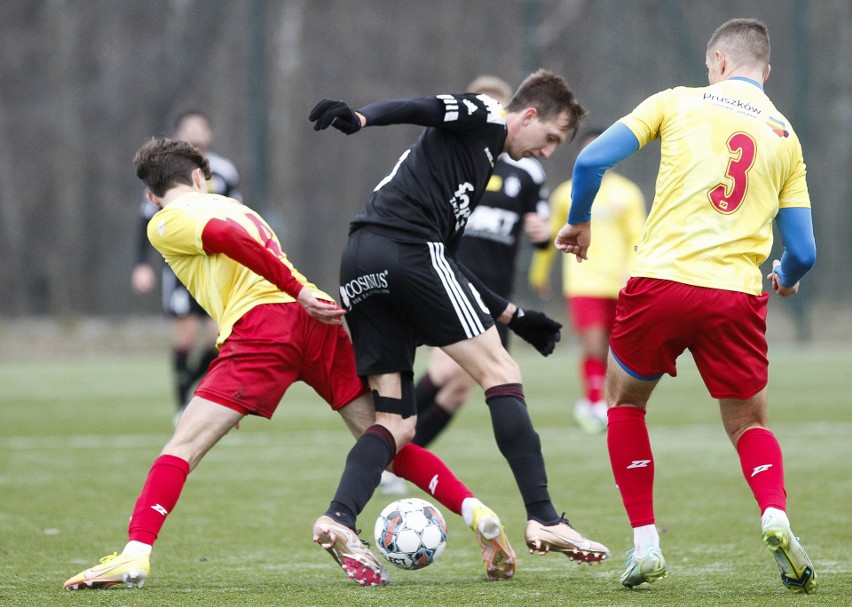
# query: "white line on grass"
{"type": "Point", "coordinates": [251, 438]}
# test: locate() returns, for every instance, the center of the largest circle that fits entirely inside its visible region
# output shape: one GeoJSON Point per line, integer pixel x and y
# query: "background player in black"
{"type": "Point", "coordinates": [514, 201]}
{"type": "Point", "coordinates": [194, 340]}
{"type": "Point", "coordinates": [402, 287]}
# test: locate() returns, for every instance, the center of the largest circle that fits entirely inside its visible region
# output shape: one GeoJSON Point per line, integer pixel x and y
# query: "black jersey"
{"type": "Point", "coordinates": [491, 239]}
{"type": "Point", "coordinates": [435, 185]}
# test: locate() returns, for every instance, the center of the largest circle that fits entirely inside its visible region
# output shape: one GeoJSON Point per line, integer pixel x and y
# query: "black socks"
{"type": "Point", "coordinates": [520, 445]}
{"type": "Point", "coordinates": [372, 453]}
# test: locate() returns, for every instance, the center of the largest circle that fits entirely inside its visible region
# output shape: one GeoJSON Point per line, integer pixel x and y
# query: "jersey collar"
{"type": "Point", "coordinates": [749, 80]}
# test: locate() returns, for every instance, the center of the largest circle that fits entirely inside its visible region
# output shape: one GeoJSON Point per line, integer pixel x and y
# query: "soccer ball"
{"type": "Point", "coordinates": [411, 533]}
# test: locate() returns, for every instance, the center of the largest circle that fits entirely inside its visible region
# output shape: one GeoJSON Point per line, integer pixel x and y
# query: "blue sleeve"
{"type": "Point", "coordinates": [614, 145]}
{"type": "Point", "coordinates": [797, 232]}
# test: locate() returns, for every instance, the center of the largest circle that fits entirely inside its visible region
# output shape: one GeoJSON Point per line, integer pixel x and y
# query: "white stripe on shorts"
{"type": "Point", "coordinates": [467, 316]}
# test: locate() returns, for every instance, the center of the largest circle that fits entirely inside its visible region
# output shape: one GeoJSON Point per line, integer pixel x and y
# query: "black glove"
{"type": "Point", "coordinates": [537, 329]}
{"type": "Point", "coordinates": [328, 113]}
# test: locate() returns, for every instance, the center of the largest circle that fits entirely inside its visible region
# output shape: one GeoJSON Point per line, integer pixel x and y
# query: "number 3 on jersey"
{"type": "Point", "coordinates": [727, 198]}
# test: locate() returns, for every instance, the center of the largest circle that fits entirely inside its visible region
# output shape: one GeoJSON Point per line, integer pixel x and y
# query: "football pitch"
{"type": "Point", "coordinates": [78, 434]}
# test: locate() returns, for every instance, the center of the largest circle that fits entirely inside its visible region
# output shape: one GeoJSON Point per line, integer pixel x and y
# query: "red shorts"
{"type": "Point", "coordinates": [270, 348]}
{"type": "Point", "coordinates": [724, 330]}
{"type": "Point", "coordinates": [588, 312]}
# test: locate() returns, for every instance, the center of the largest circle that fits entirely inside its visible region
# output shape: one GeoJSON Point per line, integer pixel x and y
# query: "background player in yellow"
{"type": "Point", "coordinates": [591, 289]}
{"type": "Point", "coordinates": [730, 165]}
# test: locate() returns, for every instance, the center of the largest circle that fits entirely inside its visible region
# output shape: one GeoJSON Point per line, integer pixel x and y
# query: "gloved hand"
{"type": "Point", "coordinates": [328, 113]}
{"type": "Point", "coordinates": [536, 328]}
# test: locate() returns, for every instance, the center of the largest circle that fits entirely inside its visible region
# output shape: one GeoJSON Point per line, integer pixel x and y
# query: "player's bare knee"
{"type": "Point", "coordinates": [504, 371]}
{"type": "Point", "coordinates": [405, 435]}
{"type": "Point", "coordinates": [401, 428]}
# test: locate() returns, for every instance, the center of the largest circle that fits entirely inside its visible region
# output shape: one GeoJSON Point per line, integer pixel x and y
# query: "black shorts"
{"type": "Point", "coordinates": [400, 295]}
{"type": "Point", "coordinates": [177, 302]}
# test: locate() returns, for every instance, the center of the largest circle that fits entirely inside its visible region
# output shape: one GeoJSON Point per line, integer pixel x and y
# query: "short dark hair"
{"type": "Point", "coordinates": [746, 39]}
{"type": "Point", "coordinates": [163, 163]}
{"type": "Point", "coordinates": [549, 94]}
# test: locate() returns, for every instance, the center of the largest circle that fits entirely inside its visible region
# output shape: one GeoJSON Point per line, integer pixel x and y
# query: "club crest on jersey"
{"type": "Point", "coordinates": [778, 127]}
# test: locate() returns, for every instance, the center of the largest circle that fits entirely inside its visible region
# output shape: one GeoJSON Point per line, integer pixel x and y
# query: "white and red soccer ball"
{"type": "Point", "coordinates": [411, 533]}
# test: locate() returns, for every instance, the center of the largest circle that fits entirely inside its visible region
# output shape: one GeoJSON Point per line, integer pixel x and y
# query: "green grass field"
{"type": "Point", "coordinates": [78, 434]}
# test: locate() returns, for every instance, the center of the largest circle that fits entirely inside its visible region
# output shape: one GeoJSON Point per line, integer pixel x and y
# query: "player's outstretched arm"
{"type": "Point", "coordinates": [228, 238]}
{"type": "Point", "coordinates": [614, 145]}
{"type": "Point", "coordinates": [231, 239]}
{"type": "Point", "coordinates": [422, 111]}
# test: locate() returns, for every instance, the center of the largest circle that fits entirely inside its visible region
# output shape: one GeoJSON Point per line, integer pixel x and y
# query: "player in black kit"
{"type": "Point", "coordinates": [514, 201]}
{"type": "Point", "coordinates": [402, 286]}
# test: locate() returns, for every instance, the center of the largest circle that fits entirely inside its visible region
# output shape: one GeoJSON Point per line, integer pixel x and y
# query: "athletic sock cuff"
{"type": "Point", "coordinates": [173, 461]}
{"type": "Point", "coordinates": [383, 434]}
{"type": "Point", "coordinates": [625, 414]}
{"type": "Point", "coordinates": [512, 390]}
{"type": "Point", "coordinates": [754, 433]}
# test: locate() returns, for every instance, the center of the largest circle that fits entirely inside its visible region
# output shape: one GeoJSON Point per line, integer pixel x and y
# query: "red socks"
{"type": "Point", "coordinates": [632, 462]}
{"type": "Point", "coordinates": [594, 373]}
{"type": "Point", "coordinates": [763, 468]}
{"type": "Point", "coordinates": [159, 496]}
{"type": "Point", "coordinates": [633, 465]}
{"type": "Point", "coordinates": [427, 471]}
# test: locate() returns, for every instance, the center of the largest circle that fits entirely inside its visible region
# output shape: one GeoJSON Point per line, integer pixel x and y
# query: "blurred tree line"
{"type": "Point", "coordinates": [84, 82]}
